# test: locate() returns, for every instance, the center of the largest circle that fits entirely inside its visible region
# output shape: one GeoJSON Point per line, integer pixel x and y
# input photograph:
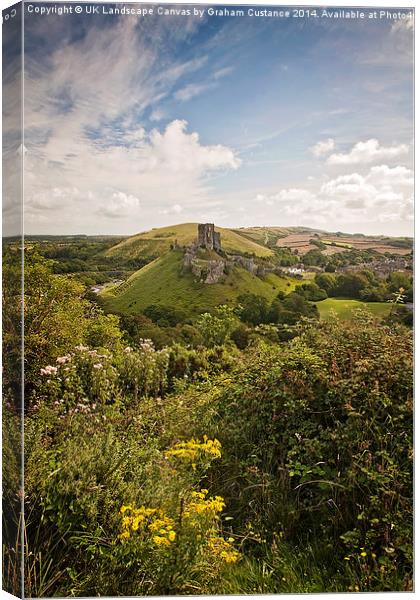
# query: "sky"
{"type": "Point", "coordinates": [140, 122]}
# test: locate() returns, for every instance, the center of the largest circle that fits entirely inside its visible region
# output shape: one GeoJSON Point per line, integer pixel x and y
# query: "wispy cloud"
{"type": "Point", "coordinates": [191, 90]}
{"type": "Point", "coordinates": [194, 89]}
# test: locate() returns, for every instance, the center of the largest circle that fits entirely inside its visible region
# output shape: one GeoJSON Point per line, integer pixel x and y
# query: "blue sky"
{"type": "Point", "coordinates": [133, 123]}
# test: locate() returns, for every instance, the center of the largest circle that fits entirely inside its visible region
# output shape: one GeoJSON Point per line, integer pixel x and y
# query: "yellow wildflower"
{"type": "Point", "coordinates": [222, 549]}
{"type": "Point", "coordinates": [201, 505]}
{"type": "Point", "coordinates": [171, 536]}
{"type": "Point", "coordinates": [145, 520]}
{"type": "Point", "coordinates": [193, 450]}
{"type": "Point", "coordinates": [160, 541]}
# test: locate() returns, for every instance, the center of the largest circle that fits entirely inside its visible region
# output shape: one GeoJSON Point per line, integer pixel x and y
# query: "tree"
{"type": "Point", "coordinates": [325, 281]}
{"type": "Point", "coordinates": [216, 328]}
{"type": "Point", "coordinates": [298, 304]}
{"type": "Point", "coordinates": [398, 280]}
{"type": "Point", "coordinates": [165, 316]}
{"type": "Point", "coordinates": [253, 309]}
{"type": "Point", "coordinates": [350, 284]}
{"type": "Point", "coordinates": [314, 258]}
{"type": "Point", "coordinates": [311, 291]}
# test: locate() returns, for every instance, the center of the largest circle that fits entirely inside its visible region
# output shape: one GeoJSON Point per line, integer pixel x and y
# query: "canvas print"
{"type": "Point", "coordinates": [207, 299]}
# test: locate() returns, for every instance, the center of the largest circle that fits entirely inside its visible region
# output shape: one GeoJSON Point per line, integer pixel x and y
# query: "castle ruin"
{"type": "Point", "coordinates": [208, 238]}
{"type": "Point", "coordinates": [212, 270]}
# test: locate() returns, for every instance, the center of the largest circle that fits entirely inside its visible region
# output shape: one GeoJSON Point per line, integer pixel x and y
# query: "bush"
{"type": "Point", "coordinates": [240, 336]}
{"type": "Point", "coordinates": [318, 445]}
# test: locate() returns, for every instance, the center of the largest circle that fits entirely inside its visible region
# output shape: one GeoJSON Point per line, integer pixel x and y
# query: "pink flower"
{"type": "Point", "coordinates": [61, 360]}
{"type": "Point", "coordinates": [97, 366]}
{"type": "Point", "coordinates": [49, 370]}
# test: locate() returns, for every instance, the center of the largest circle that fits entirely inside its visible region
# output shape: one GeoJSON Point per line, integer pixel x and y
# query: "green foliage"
{"type": "Point", "coordinates": [165, 283]}
{"type": "Point", "coordinates": [318, 442]}
{"type": "Point", "coordinates": [240, 336]}
{"type": "Point", "coordinates": [252, 309]}
{"type": "Point", "coordinates": [325, 281]}
{"type": "Point", "coordinates": [279, 456]}
{"type": "Point", "coordinates": [399, 280]}
{"type": "Point", "coordinates": [217, 327]}
{"type": "Point", "coordinates": [312, 292]}
{"type": "Point", "coordinates": [318, 243]}
{"type": "Point", "coordinates": [165, 316]}
{"type": "Point", "coordinates": [314, 258]}
{"type": "Point", "coordinates": [349, 285]}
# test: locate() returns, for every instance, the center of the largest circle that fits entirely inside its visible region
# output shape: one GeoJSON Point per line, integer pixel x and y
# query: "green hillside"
{"type": "Point", "coordinates": [162, 282]}
{"type": "Point", "coordinates": [344, 307]}
{"type": "Point", "coordinates": [157, 241]}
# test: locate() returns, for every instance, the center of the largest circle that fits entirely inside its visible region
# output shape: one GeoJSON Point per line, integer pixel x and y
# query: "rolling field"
{"type": "Point", "coordinates": [335, 244]}
{"type": "Point", "coordinates": [344, 307]}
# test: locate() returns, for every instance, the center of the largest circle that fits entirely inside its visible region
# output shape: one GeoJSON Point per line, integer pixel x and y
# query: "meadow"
{"type": "Point", "coordinates": [344, 308]}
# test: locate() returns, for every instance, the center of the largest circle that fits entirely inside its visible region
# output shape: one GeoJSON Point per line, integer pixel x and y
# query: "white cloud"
{"type": "Point", "coordinates": [177, 150]}
{"type": "Point", "coordinates": [384, 195]}
{"type": "Point", "coordinates": [224, 72]}
{"type": "Point", "coordinates": [168, 168]}
{"type": "Point", "coordinates": [52, 199]}
{"type": "Point", "coordinates": [387, 176]}
{"type": "Point", "coordinates": [119, 205]}
{"type": "Point", "coordinates": [176, 209]}
{"type": "Point", "coordinates": [368, 152]}
{"type": "Point", "coordinates": [193, 89]}
{"type": "Point", "coordinates": [157, 115]}
{"type": "Point", "coordinates": [348, 186]}
{"type": "Point", "coordinates": [323, 147]}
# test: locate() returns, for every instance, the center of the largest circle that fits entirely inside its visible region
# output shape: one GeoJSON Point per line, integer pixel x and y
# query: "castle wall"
{"type": "Point", "coordinates": [208, 238]}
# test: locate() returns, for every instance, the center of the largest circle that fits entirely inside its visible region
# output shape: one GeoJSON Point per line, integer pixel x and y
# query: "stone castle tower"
{"type": "Point", "coordinates": [208, 238]}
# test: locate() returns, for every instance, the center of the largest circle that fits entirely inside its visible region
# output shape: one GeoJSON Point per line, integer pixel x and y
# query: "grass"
{"type": "Point", "coordinates": [162, 282]}
{"type": "Point", "coordinates": [344, 307]}
{"type": "Point", "coordinates": [158, 241]}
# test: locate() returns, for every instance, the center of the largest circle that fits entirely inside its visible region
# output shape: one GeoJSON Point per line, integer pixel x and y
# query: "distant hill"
{"type": "Point", "coordinates": [157, 241]}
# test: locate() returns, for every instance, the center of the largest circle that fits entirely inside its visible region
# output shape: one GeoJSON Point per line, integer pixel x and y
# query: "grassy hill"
{"type": "Point", "coordinates": [162, 282]}
{"type": "Point", "coordinates": [158, 241]}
